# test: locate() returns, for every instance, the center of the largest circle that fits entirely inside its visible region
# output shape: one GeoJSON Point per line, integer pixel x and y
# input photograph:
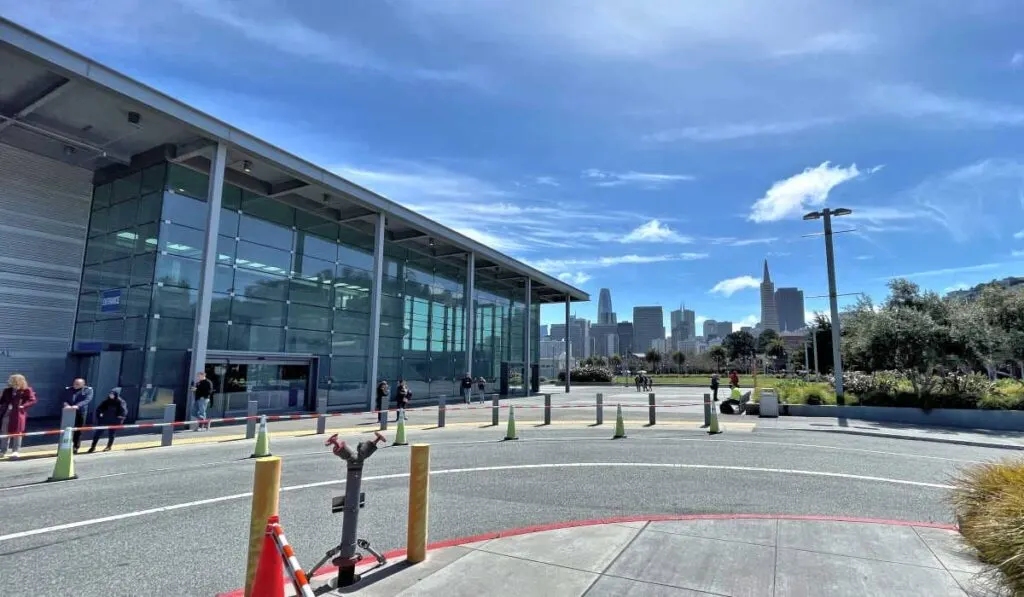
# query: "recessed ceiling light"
{"type": "Point", "coordinates": [246, 166]}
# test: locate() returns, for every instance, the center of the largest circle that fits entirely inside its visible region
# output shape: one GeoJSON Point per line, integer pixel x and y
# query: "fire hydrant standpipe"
{"type": "Point", "coordinates": [347, 557]}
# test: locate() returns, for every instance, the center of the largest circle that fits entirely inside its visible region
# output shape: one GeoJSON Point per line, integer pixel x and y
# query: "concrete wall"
{"type": "Point", "coordinates": [999, 420]}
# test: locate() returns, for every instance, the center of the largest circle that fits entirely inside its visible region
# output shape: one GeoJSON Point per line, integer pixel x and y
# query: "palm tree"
{"type": "Point", "coordinates": [678, 358]}
{"type": "Point", "coordinates": [719, 355]}
{"type": "Point", "coordinates": [616, 360]}
{"type": "Point", "coordinates": [653, 357]}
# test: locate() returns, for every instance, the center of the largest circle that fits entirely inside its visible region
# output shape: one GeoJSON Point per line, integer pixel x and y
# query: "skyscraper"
{"type": "Point", "coordinates": [605, 315]}
{"type": "Point", "coordinates": [789, 302]}
{"type": "Point", "coordinates": [724, 328]}
{"type": "Point", "coordinates": [769, 314]}
{"type": "Point", "coordinates": [710, 328]}
{"type": "Point", "coordinates": [625, 330]}
{"type": "Point", "coordinates": [683, 323]}
{"type": "Point", "coordinates": [648, 326]}
{"type": "Point", "coordinates": [579, 336]}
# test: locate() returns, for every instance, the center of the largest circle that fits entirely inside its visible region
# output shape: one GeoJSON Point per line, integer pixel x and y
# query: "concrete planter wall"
{"type": "Point", "coordinates": [999, 420]}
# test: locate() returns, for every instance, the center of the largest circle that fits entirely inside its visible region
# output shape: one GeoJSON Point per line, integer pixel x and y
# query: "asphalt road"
{"type": "Point", "coordinates": [199, 548]}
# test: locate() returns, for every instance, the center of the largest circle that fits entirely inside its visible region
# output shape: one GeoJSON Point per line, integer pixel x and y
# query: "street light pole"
{"type": "Point", "coordinates": [833, 304]}
{"type": "Point", "coordinates": [837, 363]}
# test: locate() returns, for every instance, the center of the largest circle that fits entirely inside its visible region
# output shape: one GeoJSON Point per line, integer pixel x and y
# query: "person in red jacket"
{"type": "Point", "coordinates": [15, 401]}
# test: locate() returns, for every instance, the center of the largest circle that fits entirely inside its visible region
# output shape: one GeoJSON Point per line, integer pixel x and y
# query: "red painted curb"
{"type": "Point", "coordinates": [637, 518]}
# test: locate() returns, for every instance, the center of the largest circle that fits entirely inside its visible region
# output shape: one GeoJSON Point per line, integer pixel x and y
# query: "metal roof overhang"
{"type": "Point", "coordinates": [60, 104]}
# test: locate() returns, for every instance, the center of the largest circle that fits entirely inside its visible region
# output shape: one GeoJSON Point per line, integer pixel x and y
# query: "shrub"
{"type": "Point", "coordinates": [588, 373]}
{"type": "Point", "coordinates": [989, 506]}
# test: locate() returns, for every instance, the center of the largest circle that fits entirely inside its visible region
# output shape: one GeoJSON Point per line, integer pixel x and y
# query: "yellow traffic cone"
{"type": "Point", "coordinates": [713, 429]}
{"type": "Point", "coordinates": [262, 440]}
{"type": "Point", "coordinates": [64, 469]}
{"type": "Point", "coordinates": [510, 431]}
{"type": "Point", "coordinates": [620, 425]}
{"type": "Point", "coordinates": [400, 433]}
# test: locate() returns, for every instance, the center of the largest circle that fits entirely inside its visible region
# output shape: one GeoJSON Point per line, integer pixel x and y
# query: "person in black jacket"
{"type": "Point", "coordinates": [112, 411]}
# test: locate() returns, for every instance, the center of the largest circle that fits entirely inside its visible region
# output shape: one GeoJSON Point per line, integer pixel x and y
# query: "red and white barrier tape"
{"type": "Point", "coordinates": [298, 417]}
{"type": "Point", "coordinates": [295, 571]}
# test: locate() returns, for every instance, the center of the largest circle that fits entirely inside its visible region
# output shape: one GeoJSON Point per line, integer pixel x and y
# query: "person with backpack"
{"type": "Point", "coordinates": [638, 379]}
{"type": "Point", "coordinates": [202, 392]}
{"type": "Point", "coordinates": [112, 411]}
{"type": "Point", "coordinates": [481, 385]}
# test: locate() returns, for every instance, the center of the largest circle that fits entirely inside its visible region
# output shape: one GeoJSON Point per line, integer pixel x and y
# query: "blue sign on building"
{"type": "Point", "coordinates": [110, 300]}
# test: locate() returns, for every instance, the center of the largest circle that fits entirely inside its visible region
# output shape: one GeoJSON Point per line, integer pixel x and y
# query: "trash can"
{"type": "Point", "coordinates": [769, 403]}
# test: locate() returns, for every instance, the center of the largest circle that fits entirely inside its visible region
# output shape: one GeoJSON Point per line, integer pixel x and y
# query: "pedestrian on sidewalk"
{"type": "Point", "coordinates": [466, 388]}
{"type": "Point", "coordinates": [112, 411]}
{"type": "Point", "coordinates": [638, 379]}
{"type": "Point", "coordinates": [714, 386]}
{"type": "Point", "coordinates": [481, 385]}
{"type": "Point", "coordinates": [403, 396]}
{"type": "Point", "coordinates": [15, 401]}
{"type": "Point", "coordinates": [202, 391]}
{"type": "Point", "coordinates": [78, 396]}
{"type": "Point", "coordinates": [383, 393]}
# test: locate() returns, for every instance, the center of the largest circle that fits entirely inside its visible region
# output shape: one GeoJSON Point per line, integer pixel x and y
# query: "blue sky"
{"type": "Point", "coordinates": [662, 149]}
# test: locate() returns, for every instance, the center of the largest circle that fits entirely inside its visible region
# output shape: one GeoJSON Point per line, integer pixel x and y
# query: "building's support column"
{"type": "Point", "coordinates": [527, 324]}
{"type": "Point", "coordinates": [201, 331]}
{"type": "Point", "coordinates": [469, 306]}
{"type": "Point", "coordinates": [373, 353]}
{"type": "Point", "coordinates": [568, 346]}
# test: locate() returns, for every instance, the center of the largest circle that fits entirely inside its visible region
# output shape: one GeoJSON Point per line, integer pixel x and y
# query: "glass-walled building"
{"type": "Point", "coordinates": [290, 312]}
{"type": "Point", "coordinates": [207, 249]}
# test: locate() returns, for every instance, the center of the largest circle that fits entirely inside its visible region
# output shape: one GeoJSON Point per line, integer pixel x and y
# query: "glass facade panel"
{"type": "Point", "coordinates": [290, 282]}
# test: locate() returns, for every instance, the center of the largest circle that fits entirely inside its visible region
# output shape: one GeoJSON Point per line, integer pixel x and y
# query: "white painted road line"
{"type": "Point", "coordinates": [481, 469]}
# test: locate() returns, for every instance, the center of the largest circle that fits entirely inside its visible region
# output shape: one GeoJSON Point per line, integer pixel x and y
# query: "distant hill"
{"type": "Point", "coordinates": [972, 293]}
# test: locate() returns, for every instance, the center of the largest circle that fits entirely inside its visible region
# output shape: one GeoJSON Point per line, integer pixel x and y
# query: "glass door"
{"type": "Point", "coordinates": [275, 386]}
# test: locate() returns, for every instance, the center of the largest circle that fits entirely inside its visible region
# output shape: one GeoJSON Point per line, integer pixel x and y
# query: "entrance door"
{"type": "Point", "coordinates": [276, 386]}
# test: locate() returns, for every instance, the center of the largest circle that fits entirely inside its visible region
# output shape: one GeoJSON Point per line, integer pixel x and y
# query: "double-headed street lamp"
{"type": "Point", "coordinates": [827, 214]}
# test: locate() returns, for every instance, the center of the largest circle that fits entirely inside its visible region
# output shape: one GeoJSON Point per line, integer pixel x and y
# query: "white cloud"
{"type": "Point", "coordinates": [1017, 253]}
{"type": "Point", "coordinates": [913, 102]}
{"type": "Point", "coordinates": [409, 181]}
{"type": "Point", "coordinates": [864, 257]}
{"type": "Point", "coordinates": [948, 270]}
{"type": "Point", "coordinates": [733, 131]}
{"type": "Point", "coordinates": [498, 243]}
{"type": "Point", "coordinates": [654, 231]}
{"type": "Point", "coordinates": [743, 242]}
{"type": "Point", "coordinates": [958, 286]}
{"type": "Point", "coordinates": [1018, 235]}
{"type": "Point", "coordinates": [547, 181]}
{"type": "Point", "coordinates": [733, 285]}
{"type": "Point", "coordinates": [644, 180]}
{"type": "Point", "coordinates": [830, 42]}
{"type": "Point", "coordinates": [748, 321]}
{"type": "Point", "coordinates": [575, 278]}
{"type": "Point", "coordinates": [800, 192]}
{"type": "Point", "coordinates": [1017, 60]}
{"type": "Point", "coordinates": [562, 265]}
{"type": "Point", "coordinates": [957, 199]}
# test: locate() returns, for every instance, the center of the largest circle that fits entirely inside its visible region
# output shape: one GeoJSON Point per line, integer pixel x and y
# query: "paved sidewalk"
{"type": "Point", "coordinates": [1011, 440]}
{"type": "Point", "coordinates": [693, 556]}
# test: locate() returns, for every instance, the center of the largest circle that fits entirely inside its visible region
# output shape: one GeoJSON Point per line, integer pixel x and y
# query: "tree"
{"type": "Point", "coordinates": [740, 346]}
{"type": "Point", "coordinates": [616, 360]}
{"type": "Point", "coordinates": [653, 357]}
{"type": "Point", "coordinates": [679, 359]}
{"type": "Point", "coordinates": [777, 349]}
{"type": "Point", "coordinates": [718, 356]}
{"type": "Point", "coordinates": [765, 340]}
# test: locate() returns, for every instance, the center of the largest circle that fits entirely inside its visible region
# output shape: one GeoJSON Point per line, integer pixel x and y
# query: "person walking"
{"type": "Point", "coordinates": [638, 379]}
{"type": "Point", "coordinates": [714, 386]}
{"type": "Point", "coordinates": [734, 380]}
{"type": "Point", "coordinates": [481, 386]}
{"type": "Point", "coordinates": [403, 396]}
{"type": "Point", "coordinates": [15, 401]}
{"type": "Point", "coordinates": [203, 392]}
{"type": "Point", "coordinates": [383, 393]}
{"type": "Point", "coordinates": [78, 397]}
{"type": "Point", "coordinates": [466, 387]}
{"type": "Point", "coordinates": [112, 411]}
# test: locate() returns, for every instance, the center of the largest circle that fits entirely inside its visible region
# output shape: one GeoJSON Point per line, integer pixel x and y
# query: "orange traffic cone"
{"type": "Point", "coordinates": [269, 578]}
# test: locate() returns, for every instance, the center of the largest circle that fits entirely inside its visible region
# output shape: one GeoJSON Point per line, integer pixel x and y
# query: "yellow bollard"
{"type": "Point", "coordinates": [419, 488]}
{"type": "Point", "coordinates": [266, 488]}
